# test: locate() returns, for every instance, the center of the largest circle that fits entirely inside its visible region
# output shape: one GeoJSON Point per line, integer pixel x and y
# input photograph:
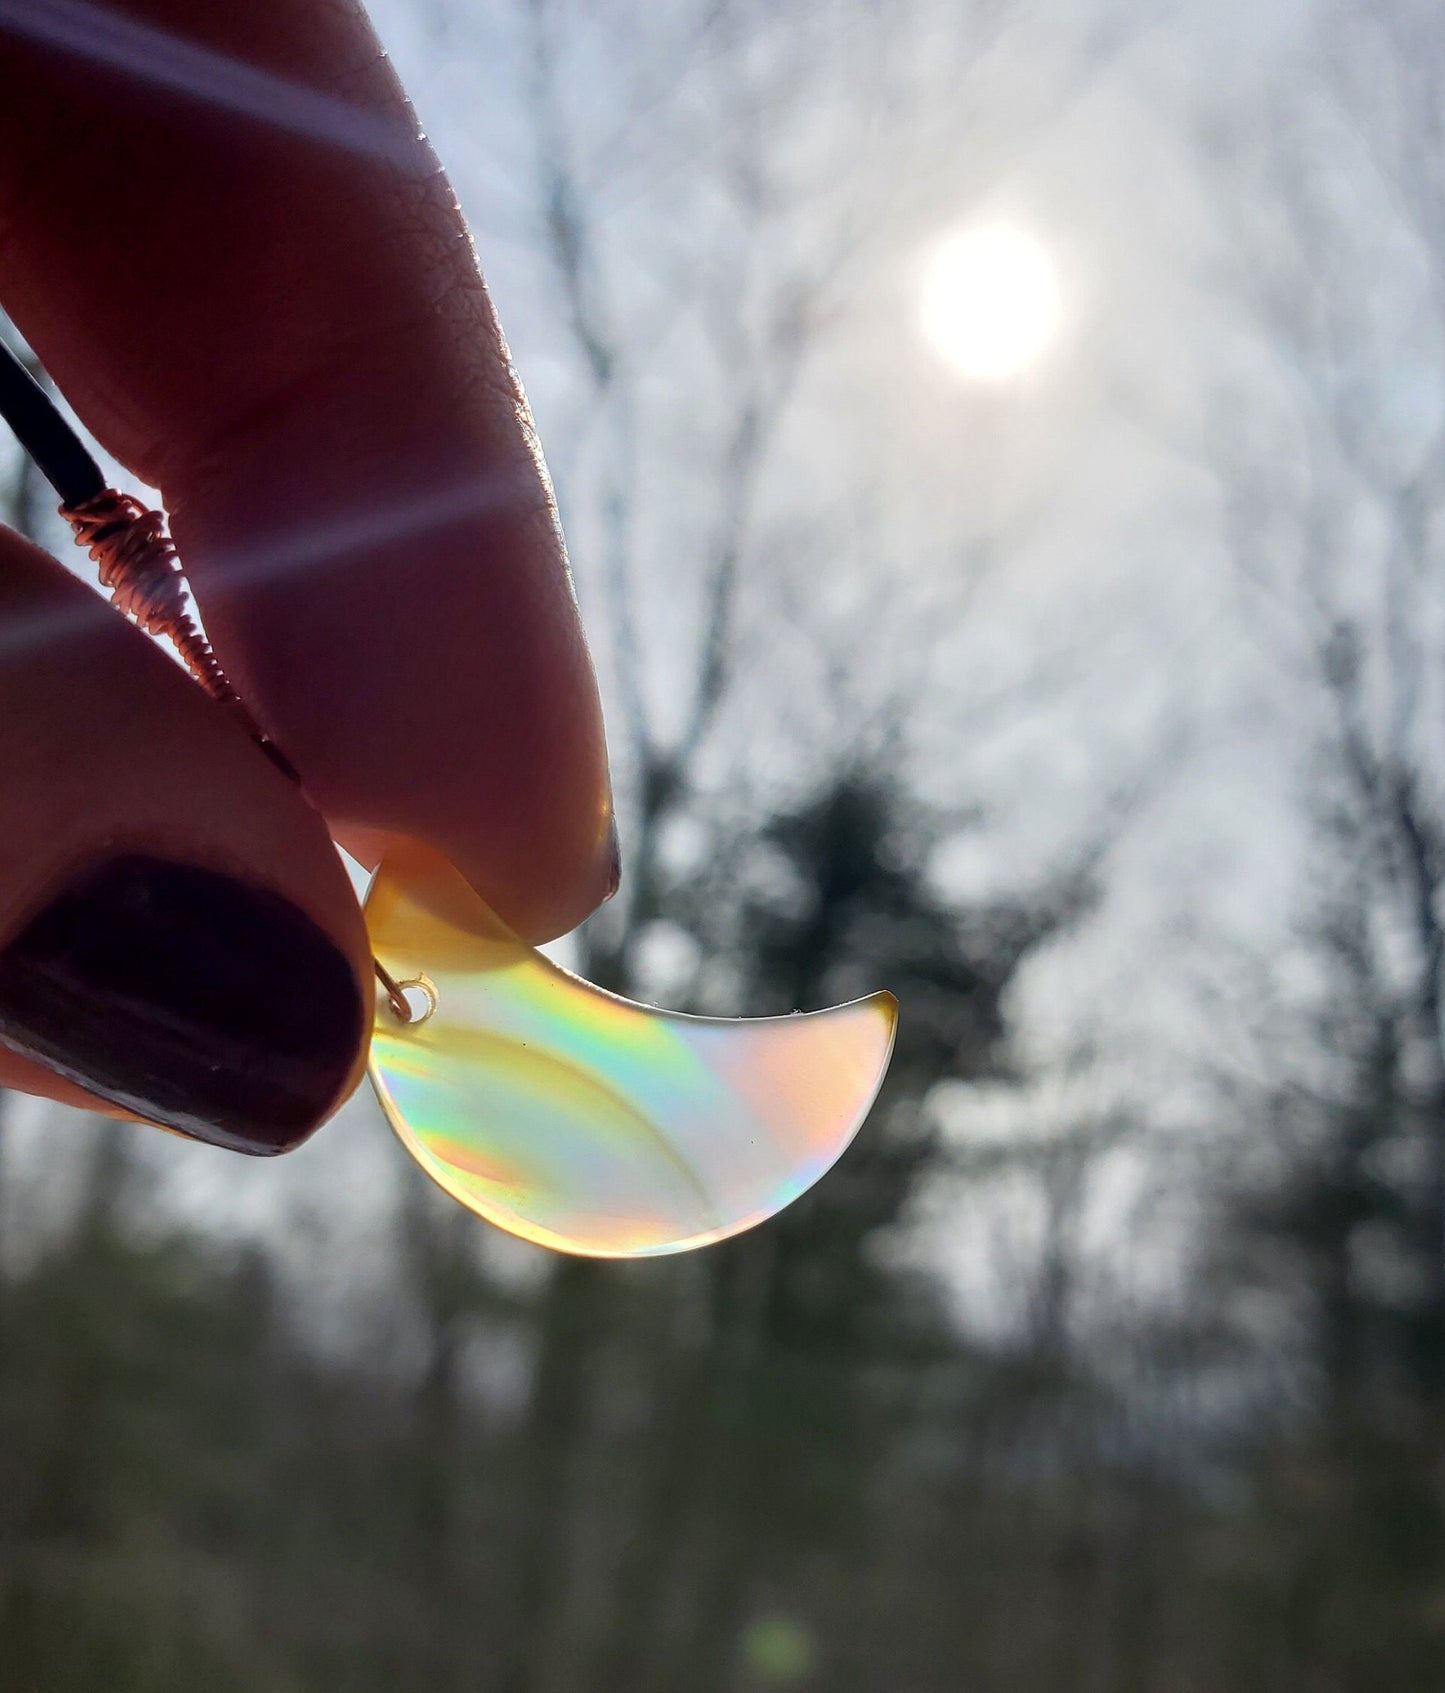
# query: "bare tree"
{"type": "Point", "coordinates": [1334, 496]}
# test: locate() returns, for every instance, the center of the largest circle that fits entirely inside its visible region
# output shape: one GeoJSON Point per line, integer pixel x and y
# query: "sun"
{"type": "Point", "coordinates": [990, 301]}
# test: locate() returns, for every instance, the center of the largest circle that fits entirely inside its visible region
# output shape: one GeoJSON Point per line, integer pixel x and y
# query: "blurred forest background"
{"type": "Point", "coordinates": [1098, 713]}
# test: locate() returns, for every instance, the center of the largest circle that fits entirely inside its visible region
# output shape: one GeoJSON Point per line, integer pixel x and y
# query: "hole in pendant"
{"type": "Point", "coordinates": [421, 1000]}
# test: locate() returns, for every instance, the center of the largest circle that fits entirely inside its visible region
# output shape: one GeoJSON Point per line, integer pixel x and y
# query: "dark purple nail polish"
{"type": "Point", "coordinates": [193, 999]}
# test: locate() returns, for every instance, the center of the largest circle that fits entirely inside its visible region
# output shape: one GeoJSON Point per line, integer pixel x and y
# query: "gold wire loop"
{"type": "Point", "coordinates": [396, 994]}
{"type": "Point", "coordinates": [398, 999]}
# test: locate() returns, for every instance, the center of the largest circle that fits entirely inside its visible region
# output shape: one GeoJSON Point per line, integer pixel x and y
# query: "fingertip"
{"type": "Point", "coordinates": [539, 894]}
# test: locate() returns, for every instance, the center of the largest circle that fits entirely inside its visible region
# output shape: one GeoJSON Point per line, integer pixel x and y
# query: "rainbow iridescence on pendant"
{"type": "Point", "coordinates": [582, 1121]}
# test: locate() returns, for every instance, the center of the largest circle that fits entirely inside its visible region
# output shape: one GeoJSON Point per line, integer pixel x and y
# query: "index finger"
{"type": "Point", "coordinates": [224, 238]}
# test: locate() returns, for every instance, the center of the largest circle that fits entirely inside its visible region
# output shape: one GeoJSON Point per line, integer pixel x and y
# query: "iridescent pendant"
{"type": "Point", "coordinates": [554, 1110]}
{"type": "Point", "coordinates": [585, 1122]}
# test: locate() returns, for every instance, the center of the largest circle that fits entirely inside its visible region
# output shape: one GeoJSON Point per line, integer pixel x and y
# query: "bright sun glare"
{"type": "Point", "coordinates": [990, 301]}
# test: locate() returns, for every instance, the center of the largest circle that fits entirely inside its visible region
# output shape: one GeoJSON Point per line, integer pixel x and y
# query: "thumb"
{"type": "Point", "coordinates": [178, 938]}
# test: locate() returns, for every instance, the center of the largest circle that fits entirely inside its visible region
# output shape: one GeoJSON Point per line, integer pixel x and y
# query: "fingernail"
{"type": "Point", "coordinates": [193, 999]}
{"type": "Point", "coordinates": [614, 873]}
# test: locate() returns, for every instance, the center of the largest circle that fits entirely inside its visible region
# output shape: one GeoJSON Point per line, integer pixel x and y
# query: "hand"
{"type": "Point", "coordinates": [224, 240]}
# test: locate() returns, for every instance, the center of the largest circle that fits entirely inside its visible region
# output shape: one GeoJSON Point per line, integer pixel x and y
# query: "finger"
{"type": "Point", "coordinates": [177, 935]}
{"type": "Point", "coordinates": [221, 235]}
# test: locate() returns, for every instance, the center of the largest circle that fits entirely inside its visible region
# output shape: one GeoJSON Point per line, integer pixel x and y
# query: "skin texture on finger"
{"type": "Point", "coordinates": [137, 823]}
{"type": "Point", "coordinates": [223, 238]}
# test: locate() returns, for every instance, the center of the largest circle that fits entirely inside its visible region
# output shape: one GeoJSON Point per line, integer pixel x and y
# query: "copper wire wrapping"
{"type": "Point", "coordinates": [137, 562]}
